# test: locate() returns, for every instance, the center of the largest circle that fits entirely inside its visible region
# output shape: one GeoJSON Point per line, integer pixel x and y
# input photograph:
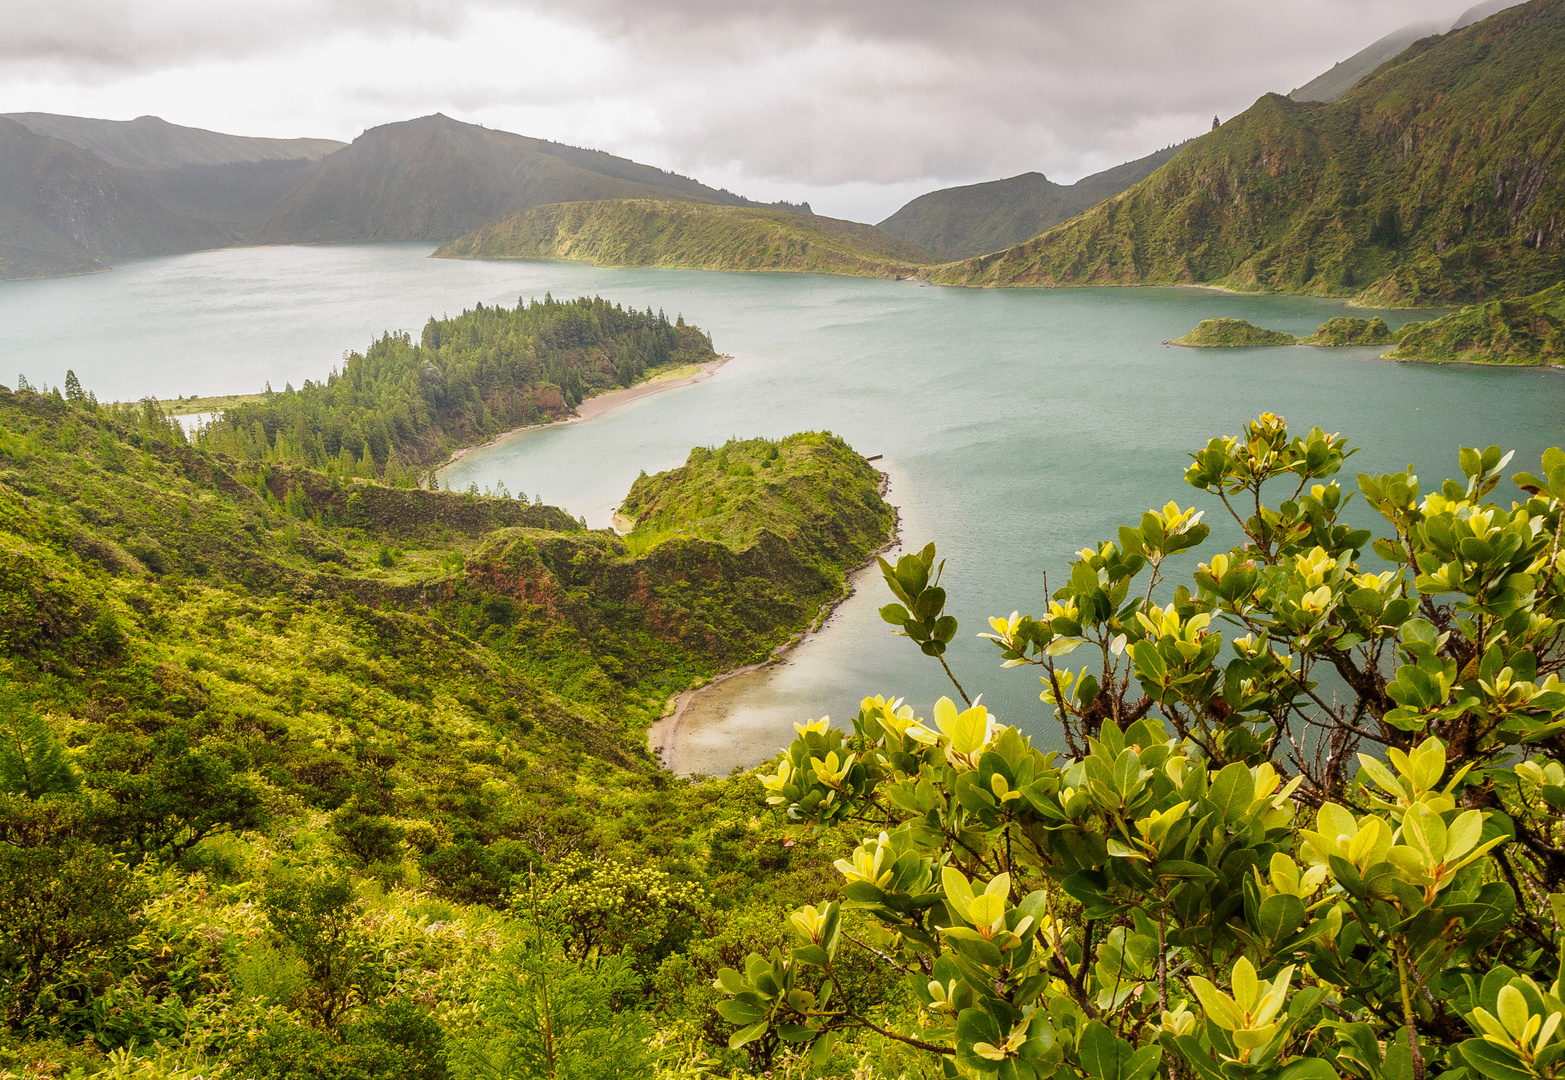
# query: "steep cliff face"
{"type": "Point", "coordinates": [1434, 180]}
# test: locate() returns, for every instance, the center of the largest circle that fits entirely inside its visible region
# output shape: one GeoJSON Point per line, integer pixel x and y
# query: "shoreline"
{"type": "Point", "coordinates": [596, 406]}
{"type": "Point", "coordinates": [663, 733]}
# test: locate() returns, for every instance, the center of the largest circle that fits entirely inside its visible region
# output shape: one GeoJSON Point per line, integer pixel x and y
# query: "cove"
{"type": "Point", "coordinates": [1016, 426]}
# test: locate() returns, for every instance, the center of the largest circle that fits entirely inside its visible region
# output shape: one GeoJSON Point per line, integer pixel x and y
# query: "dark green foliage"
{"type": "Point", "coordinates": [367, 838]}
{"type": "Point", "coordinates": [1232, 333]}
{"type": "Point", "coordinates": [399, 1039]}
{"type": "Point", "coordinates": [648, 232]}
{"type": "Point", "coordinates": [167, 793]}
{"type": "Point", "coordinates": [1530, 330]}
{"type": "Point", "coordinates": [1430, 182]}
{"type": "Point", "coordinates": [467, 872]}
{"type": "Point", "coordinates": [58, 902]}
{"type": "Point", "coordinates": [1348, 331]}
{"type": "Point", "coordinates": [32, 761]}
{"type": "Point", "coordinates": [313, 920]}
{"type": "Point", "coordinates": [402, 405]}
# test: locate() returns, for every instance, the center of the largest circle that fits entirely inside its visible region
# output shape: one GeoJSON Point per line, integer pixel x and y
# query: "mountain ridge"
{"type": "Point", "coordinates": [150, 142]}
{"type": "Point", "coordinates": [1427, 183]}
{"type": "Point", "coordinates": [76, 192]}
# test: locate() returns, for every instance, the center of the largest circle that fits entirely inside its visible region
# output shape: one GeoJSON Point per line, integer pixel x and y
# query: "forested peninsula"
{"type": "Point", "coordinates": [307, 775]}
{"type": "Point", "coordinates": [659, 232]}
{"type": "Point", "coordinates": [401, 407]}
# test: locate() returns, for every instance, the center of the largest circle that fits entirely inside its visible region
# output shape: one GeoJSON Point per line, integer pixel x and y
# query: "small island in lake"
{"type": "Point", "coordinates": [1231, 334]}
{"type": "Point", "coordinates": [1349, 331]}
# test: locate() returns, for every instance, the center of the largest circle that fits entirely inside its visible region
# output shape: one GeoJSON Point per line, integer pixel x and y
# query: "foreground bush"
{"type": "Point", "coordinates": [1307, 823]}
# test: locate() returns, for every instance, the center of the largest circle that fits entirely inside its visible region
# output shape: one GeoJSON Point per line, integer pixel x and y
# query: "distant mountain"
{"type": "Point", "coordinates": [1332, 84]}
{"type": "Point", "coordinates": [435, 178]}
{"type": "Point", "coordinates": [148, 142]}
{"type": "Point", "coordinates": [1479, 12]}
{"type": "Point", "coordinates": [63, 210]}
{"type": "Point", "coordinates": [76, 191]}
{"type": "Point", "coordinates": [700, 236]}
{"type": "Point", "coordinates": [1434, 180]}
{"type": "Point", "coordinates": [958, 222]}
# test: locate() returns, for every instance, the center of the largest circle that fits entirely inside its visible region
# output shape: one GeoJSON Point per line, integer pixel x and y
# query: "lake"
{"type": "Point", "coordinates": [1017, 426]}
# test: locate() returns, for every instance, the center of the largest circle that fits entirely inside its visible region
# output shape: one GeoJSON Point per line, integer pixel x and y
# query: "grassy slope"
{"type": "Point", "coordinates": [1530, 330]}
{"type": "Point", "coordinates": [1429, 182]}
{"type": "Point", "coordinates": [959, 222]}
{"type": "Point", "coordinates": [475, 672]}
{"type": "Point", "coordinates": [660, 232]}
{"type": "Point", "coordinates": [803, 490]}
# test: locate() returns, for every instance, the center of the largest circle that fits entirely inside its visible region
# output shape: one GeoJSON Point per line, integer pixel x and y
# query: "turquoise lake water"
{"type": "Point", "coordinates": [1016, 426]}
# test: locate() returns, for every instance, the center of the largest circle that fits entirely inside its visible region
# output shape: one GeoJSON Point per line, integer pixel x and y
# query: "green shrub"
{"type": "Point", "coordinates": [1163, 897]}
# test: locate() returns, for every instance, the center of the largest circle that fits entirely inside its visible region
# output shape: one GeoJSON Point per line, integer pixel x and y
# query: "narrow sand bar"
{"type": "Point", "coordinates": [594, 407]}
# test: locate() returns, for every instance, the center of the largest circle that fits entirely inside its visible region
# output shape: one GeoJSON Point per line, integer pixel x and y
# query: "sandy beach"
{"type": "Point", "coordinates": [594, 407]}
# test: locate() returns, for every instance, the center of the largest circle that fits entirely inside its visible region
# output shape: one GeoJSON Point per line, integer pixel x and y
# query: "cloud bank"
{"type": "Point", "coordinates": [856, 105]}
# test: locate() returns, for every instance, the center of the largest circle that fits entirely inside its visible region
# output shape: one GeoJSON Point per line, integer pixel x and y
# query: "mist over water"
{"type": "Point", "coordinates": [1016, 426]}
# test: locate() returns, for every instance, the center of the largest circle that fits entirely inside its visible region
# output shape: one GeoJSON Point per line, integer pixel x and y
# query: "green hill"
{"type": "Point", "coordinates": [1431, 181]}
{"type": "Point", "coordinates": [659, 232]}
{"type": "Point", "coordinates": [958, 222]}
{"type": "Point", "coordinates": [1530, 330]}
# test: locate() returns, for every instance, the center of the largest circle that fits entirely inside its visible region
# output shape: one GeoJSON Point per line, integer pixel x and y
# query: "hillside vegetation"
{"type": "Point", "coordinates": [1530, 330]}
{"type": "Point", "coordinates": [658, 232]}
{"type": "Point", "coordinates": [958, 222]}
{"type": "Point", "coordinates": [308, 776]}
{"type": "Point", "coordinates": [1431, 181]}
{"type": "Point", "coordinates": [402, 406]}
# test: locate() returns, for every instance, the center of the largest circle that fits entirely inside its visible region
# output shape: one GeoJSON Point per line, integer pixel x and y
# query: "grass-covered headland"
{"type": "Point", "coordinates": [662, 232]}
{"type": "Point", "coordinates": [305, 775]}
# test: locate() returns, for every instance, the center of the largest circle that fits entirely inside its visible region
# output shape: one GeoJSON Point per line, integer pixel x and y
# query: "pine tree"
{"type": "Point", "coordinates": [73, 388]}
{"type": "Point", "coordinates": [32, 761]}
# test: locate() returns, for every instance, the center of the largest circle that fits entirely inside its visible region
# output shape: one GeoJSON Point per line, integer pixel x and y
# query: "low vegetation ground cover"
{"type": "Point", "coordinates": [307, 775]}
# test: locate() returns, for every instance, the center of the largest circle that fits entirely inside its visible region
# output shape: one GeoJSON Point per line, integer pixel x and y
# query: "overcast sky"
{"type": "Point", "coordinates": [855, 106]}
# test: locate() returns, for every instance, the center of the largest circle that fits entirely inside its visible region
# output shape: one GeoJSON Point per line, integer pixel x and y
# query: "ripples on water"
{"type": "Point", "coordinates": [1017, 426]}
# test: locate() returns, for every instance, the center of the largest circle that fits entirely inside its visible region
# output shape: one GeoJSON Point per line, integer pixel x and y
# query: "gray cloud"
{"type": "Point", "coordinates": [796, 97]}
{"type": "Point", "coordinates": [103, 38]}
